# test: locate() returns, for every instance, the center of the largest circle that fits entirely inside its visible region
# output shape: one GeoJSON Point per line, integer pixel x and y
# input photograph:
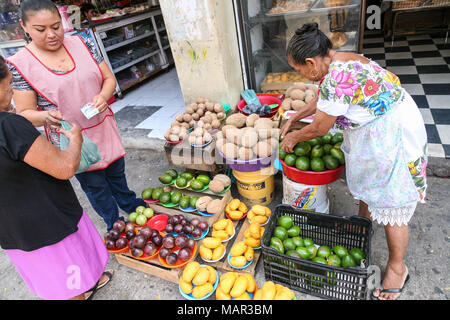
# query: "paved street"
{"type": "Point", "coordinates": [427, 255]}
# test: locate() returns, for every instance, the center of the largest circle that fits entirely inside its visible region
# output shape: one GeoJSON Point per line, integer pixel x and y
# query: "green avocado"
{"type": "Point", "coordinates": [294, 231]}
{"type": "Point", "coordinates": [187, 175]}
{"type": "Point", "coordinates": [156, 194]}
{"type": "Point", "coordinates": [173, 173]}
{"type": "Point", "coordinates": [181, 182]}
{"type": "Point", "coordinates": [298, 242]}
{"type": "Point", "coordinates": [293, 253]}
{"type": "Point", "coordinates": [338, 154]}
{"type": "Point", "coordinates": [303, 252]}
{"type": "Point", "coordinates": [302, 163]}
{"type": "Point", "coordinates": [314, 142]}
{"type": "Point", "coordinates": [308, 242]}
{"type": "Point", "coordinates": [280, 233]}
{"type": "Point", "coordinates": [312, 251]}
{"type": "Point", "coordinates": [323, 252]}
{"type": "Point", "coordinates": [326, 139]}
{"type": "Point", "coordinates": [176, 196]}
{"type": "Point", "coordinates": [319, 260]}
{"type": "Point", "coordinates": [358, 255]}
{"type": "Point", "coordinates": [185, 201]}
{"type": "Point", "coordinates": [165, 178]}
{"type": "Point", "coordinates": [203, 178]}
{"type": "Point", "coordinates": [197, 185]}
{"type": "Point", "coordinates": [288, 244]}
{"type": "Point", "coordinates": [285, 221]}
{"type": "Point", "coordinates": [317, 151]}
{"type": "Point", "coordinates": [334, 260]}
{"type": "Point", "coordinates": [147, 193]}
{"type": "Point", "coordinates": [317, 164]}
{"type": "Point", "coordinates": [348, 261]}
{"type": "Point", "coordinates": [340, 251]}
{"type": "Point", "coordinates": [302, 149]}
{"type": "Point", "coordinates": [289, 159]}
{"type": "Point", "coordinates": [193, 201]}
{"type": "Point", "coordinates": [165, 197]}
{"type": "Point", "coordinates": [330, 162]}
{"type": "Point", "coordinates": [277, 244]}
{"type": "Point", "coordinates": [327, 148]}
{"type": "Point", "coordinates": [337, 137]}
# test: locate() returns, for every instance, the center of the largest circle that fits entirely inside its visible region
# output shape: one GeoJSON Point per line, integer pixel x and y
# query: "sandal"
{"type": "Point", "coordinates": [393, 290]}
{"type": "Point", "coordinates": [91, 292]}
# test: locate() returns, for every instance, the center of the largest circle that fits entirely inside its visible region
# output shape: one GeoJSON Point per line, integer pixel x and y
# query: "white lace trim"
{"type": "Point", "coordinates": [399, 216]}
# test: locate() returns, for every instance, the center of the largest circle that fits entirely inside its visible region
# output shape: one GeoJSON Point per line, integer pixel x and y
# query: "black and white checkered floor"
{"type": "Point", "coordinates": [422, 62]}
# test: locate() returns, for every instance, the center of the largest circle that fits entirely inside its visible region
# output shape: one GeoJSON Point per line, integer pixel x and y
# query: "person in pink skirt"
{"type": "Point", "coordinates": [44, 231]}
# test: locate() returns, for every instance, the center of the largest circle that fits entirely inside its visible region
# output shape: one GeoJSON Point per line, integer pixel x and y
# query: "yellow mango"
{"type": "Point", "coordinates": [247, 233]}
{"type": "Point", "coordinates": [284, 294]}
{"type": "Point", "coordinates": [259, 219]}
{"type": "Point", "coordinates": [201, 291]}
{"type": "Point", "coordinates": [249, 254]}
{"type": "Point", "coordinates": [262, 231]}
{"type": "Point", "coordinates": [221, 224]}
{"type": "Point", "coordinates": [201, 277]}
{"type": "Point", "coordinates": [268, 290]}
{"type": "Point", "coordinates": [251, 284]}
{"type": "Point", "coordinates": [228, 274]}
{"type": "Point", "coordinates": [234, 204]}
{"type": "Point", "coordinates": [220, 295]}
{"type": "Point", "coordinates": [238, 261]}
{"type": "Point", "coordinates": [235, 214]}
{"type": "Point", "coordinates": [211, 243]}
{"type": "Point", "coordinates": [244, 296]}
{"type": "Point", "coordinates": [250, 215]}
{"type": "Point", "coordinates": [268, 212]}
{"type": "Point", "coordinates": [212, 274]}
{"type": "Point", "coordinates": [252, 242]}
{"type": "Point", "coordinates": [255, 230]}
{"type": "Point", "coordinates": [205, 252]}
{"type": "Point", "coordinates": [190, 271]}
{"type": "Point", "coordinates": [218, 252]}
{"type": "Point", "coordinates": [227, 208]}
{"type": "Point", "coordinates": [186, 287]}
{"type": "Point", "coordinates": [227, 282]}
{"type": "Point", "coordinates": [238, 249]}
{"type": "Point", "coordinates": [229, 229]}
{"type": "Point", "coordinates": [239, 287]}
{"type": "Point", "coordinates": [242, 208]}
{"type": "Point", "coordinates": [258, 295]}
{"type": "Point", "coordinates": [220, 234]}
{"type": "Point", "coordinates": [259, 210]}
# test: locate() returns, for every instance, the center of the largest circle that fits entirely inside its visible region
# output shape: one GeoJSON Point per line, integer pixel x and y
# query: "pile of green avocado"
{"type": "Point", "coordinates": [165, 197]}
{"type": "Point", "coordinates": [318, 154]}
{"type": "Point", "coordinates": [184, 180]}
{"type": "Point", "coordinates": [286, 240]}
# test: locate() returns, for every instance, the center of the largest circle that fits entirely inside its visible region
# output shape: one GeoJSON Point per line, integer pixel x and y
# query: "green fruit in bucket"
{"type": "Point", "coordinates": [289, 159]}
{"type": "Point", "coordinates": [317, 151]}
{"type": "Point", "coordinates": [330, 162]}
{"type": "Point", "coordinates": [302, 148]}
{"type": "Point", "coordinates": [337, 137]}
{"type": "Point", "coordinates": [317, 164]}
{"type": "Point", "coordinates": [314, 142]}
{"type": "Point", "coordinates": [338, 154]}
{"type": "Point", "coordinates": [302, 163]}
{"type": "Point", "coordinates": [141, 219]}
{"type": "Point", "coordinates": [165, 178]}
{"type": "Point", "coordinates": [326, 139]}
{"type": "Point", "coordinates": [281, 153]}
{"type": "Point", "coordinates": [327, 148]}
{"type": "Point", "coordinates": [133, 216]}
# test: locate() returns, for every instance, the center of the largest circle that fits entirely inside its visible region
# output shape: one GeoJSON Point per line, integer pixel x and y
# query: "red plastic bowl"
{"type": "Point", "coordinates": [312, 178]}
{"type": "Point", "coordinates": [158, 222]}
{"type": "Point", "coordinates": [264, 99]}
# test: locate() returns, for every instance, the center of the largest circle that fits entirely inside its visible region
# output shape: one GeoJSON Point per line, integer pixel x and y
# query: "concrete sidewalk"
{"type": "Point", "coordinates": [427, 255]}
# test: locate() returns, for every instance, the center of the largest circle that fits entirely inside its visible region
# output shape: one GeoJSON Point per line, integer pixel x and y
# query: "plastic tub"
{"type": "Point", "coordinates": [312, 177]}
{"type": "Point", "coordinates": [264, 99]}
{"type": "Point", "coordinates": [248, 165]}
{"type": "Point", "coordinates": [255, 187]}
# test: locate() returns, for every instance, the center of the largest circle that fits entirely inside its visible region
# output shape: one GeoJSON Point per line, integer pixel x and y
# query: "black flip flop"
{"type": "Point", "coordinates": [98, 286]}
{"type": "Point", "coordinates": [393, 290]}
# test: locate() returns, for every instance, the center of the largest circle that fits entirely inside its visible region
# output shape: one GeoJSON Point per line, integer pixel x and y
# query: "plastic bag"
{"type": "Point", "coordinates": [89, 150]}
{"type": "Point", "coordinates": [250, 97]}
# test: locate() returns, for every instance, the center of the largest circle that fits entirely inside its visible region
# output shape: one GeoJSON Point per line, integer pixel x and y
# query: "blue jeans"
{"type": "Point", "coordinates": [106, 189]}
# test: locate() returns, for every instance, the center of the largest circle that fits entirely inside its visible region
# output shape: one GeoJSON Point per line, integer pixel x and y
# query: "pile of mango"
{"type": "Point", "coordinates": [198, 280]}
{"type": "Point", "coordinates": [235, 285]}
{"type": "Point", "coordinates": [241, 254]}
{"type": "Point", "coordinates": [253, 235]}
{"type": "Point", "coordinates": [223, 229]}
{"type": "Point", "coordinates": [236, 209]}
{"type": "Point", "coordinates": [273, 291]}
{"type": "Point", "coordinates": [259, 214]}
{"type": "Point", "coordinates": [211, 249]}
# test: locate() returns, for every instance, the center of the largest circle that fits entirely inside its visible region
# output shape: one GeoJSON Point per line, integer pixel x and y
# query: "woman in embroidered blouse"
{"type": "Point", "coordinates": [384, 138]}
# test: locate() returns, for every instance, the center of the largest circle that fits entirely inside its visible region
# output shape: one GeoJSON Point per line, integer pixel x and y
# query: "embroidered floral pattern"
{"type": "Point", "coordinates": [418, 170]}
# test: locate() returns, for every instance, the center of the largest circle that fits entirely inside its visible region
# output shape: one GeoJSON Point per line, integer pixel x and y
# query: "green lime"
{"type": "Point", "coordinates": [294, 231]}
{"type": "Point", "coordinates": [288, 244]}
{"type": "Point", "coordinates": [281, 153]}
{"type": "Point", "coordinates": [302, 163]}
{"type": "Point", "coordinates": [348, 261]}
{"type": "Point", "coordinates": [314, 142]}
{"type": "Point", "coordinates": [280, 233]}
{"type": "Point", "coordinates": [317, 151]}
{"type": "Point", "coordinates": [337, 137]}
{"type": "Point", "coordinates": [285, 221]}
{"type": "Point", "coordinates": [317, 164]}
{"type": "Point", "coordinates": [327, 148]}
{"type": "Point", "coordinates": [330, 162]}
{"type": "Point", "coordinates": [289, 159]}
{"type": "Point", "coordinates": [302, 148]}
{"type": "Point", "coordinates": [141, 219]}
{"type": "Point", "coordinates": [326, 139]}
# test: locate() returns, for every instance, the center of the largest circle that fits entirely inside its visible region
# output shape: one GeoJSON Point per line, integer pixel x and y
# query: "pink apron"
{"type": "Point", "coordinates": [71, 90]}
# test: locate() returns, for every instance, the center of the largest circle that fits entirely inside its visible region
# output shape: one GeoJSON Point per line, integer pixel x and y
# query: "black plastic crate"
{"type": "Point", "coordinates": [314, 278]}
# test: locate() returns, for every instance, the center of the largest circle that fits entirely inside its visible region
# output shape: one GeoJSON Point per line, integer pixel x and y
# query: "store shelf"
{"type": "Point", "coordinates": [148, 75]}
{"type": "Point", "coordinates": [121, 68]}
{"type": "Point", "coordinates": [126, 42]}
{"type": "Point", "coordinates": [13, 44]}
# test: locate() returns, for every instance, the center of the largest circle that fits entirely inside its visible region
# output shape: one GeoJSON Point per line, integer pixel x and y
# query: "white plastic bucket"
{"type": "Point", "coordinates": [305, 197]}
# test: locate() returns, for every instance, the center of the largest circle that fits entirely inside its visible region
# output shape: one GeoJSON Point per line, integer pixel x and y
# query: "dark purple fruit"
{"type": "Point", "coordinates": [157, 240]}
{"type": "Point", "coordinates": [110, 244]}
{"type": "Point", "coordinates": [154, 233]}
{"type": "Point", "coordinates": [170, 220]}
{"type": "Point", "coordinates": [178, 228]}
{"type": "Point", "coordinates": [146, 231]}
{"type": "Point", "coordinates": [191, 243]}
{"type": "Point", "coordinates": [129, 227]}
{"type": "Point", "coordinates": [130, 234]}
{"type": "Point", "coordinates": [150, 249]}
{"type": "Point", "coordinates": [106, 236]}
{"type": "Point", "coordinates": [136, 252]}
{"type": "Point", "coordinates": [184, 254]}
{"type": "Point", "coordinates": [197, 233]}
{"type": "Point", "coordinates": [119, 225]}
{"type": "Point", "coordinates": [139, 241]}
{"type": "Point", "coordinates": [195, 222]}
{"type": "Point", "coordinates": [168, 241]}
{"type": "Point", "coordinates": [121, 243]}
{"type": "Point", "coordinates": [131, 244]}
{"type": "Point", "coordinates": [171, 259]}
{"type": "Point", "coordinates": [169, 228]}
{"type": "Point", "coordinates": [203, 225]}
{"type": "Point", "coordinates": [181, 241]}
{"type": "Point", "coordinates": [164, 252]}
{"type": "Point", "coordinates": [183, 222]}
{"type": "Point", "coordinates": [175, 220]}
{"type": "Point", "coordinates": [187, 229]}
{"type": "Point", "coordinates": [114, 235]}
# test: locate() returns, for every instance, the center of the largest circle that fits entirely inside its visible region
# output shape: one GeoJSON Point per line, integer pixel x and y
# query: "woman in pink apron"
{"type": "Point", "coordinates": [54, 76]}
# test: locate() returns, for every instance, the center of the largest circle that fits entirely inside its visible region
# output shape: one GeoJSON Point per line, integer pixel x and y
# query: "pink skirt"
{"type": "Point", "coordinates": [65, 269]}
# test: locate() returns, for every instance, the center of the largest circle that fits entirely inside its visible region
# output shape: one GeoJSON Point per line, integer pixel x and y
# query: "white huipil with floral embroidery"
{"type": "Point", "coordinates": [384, 138]}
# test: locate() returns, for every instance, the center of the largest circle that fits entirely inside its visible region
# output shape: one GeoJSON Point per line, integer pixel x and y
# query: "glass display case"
{"type": "Point", "coordinates": [265, 27]}
{"type": "Point", "coordinates": [12, 37]}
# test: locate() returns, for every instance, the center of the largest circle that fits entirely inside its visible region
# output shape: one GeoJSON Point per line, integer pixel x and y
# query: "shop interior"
{"type": "Point", "coordinates": [410, 39]}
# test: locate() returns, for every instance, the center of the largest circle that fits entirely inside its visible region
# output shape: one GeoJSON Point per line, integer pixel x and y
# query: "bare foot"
{"type": "Point", "coordinates": [394, 277]}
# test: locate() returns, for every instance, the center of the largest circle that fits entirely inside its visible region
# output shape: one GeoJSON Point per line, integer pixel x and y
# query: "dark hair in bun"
{"type": "Point", "coordinates": [308, 42]}
{"type": "Point", "coordinates": [33, 6]}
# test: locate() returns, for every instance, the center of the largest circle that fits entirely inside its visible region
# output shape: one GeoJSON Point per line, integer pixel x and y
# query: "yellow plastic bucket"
{"type": "Point", "coordinates": [256, 187]}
